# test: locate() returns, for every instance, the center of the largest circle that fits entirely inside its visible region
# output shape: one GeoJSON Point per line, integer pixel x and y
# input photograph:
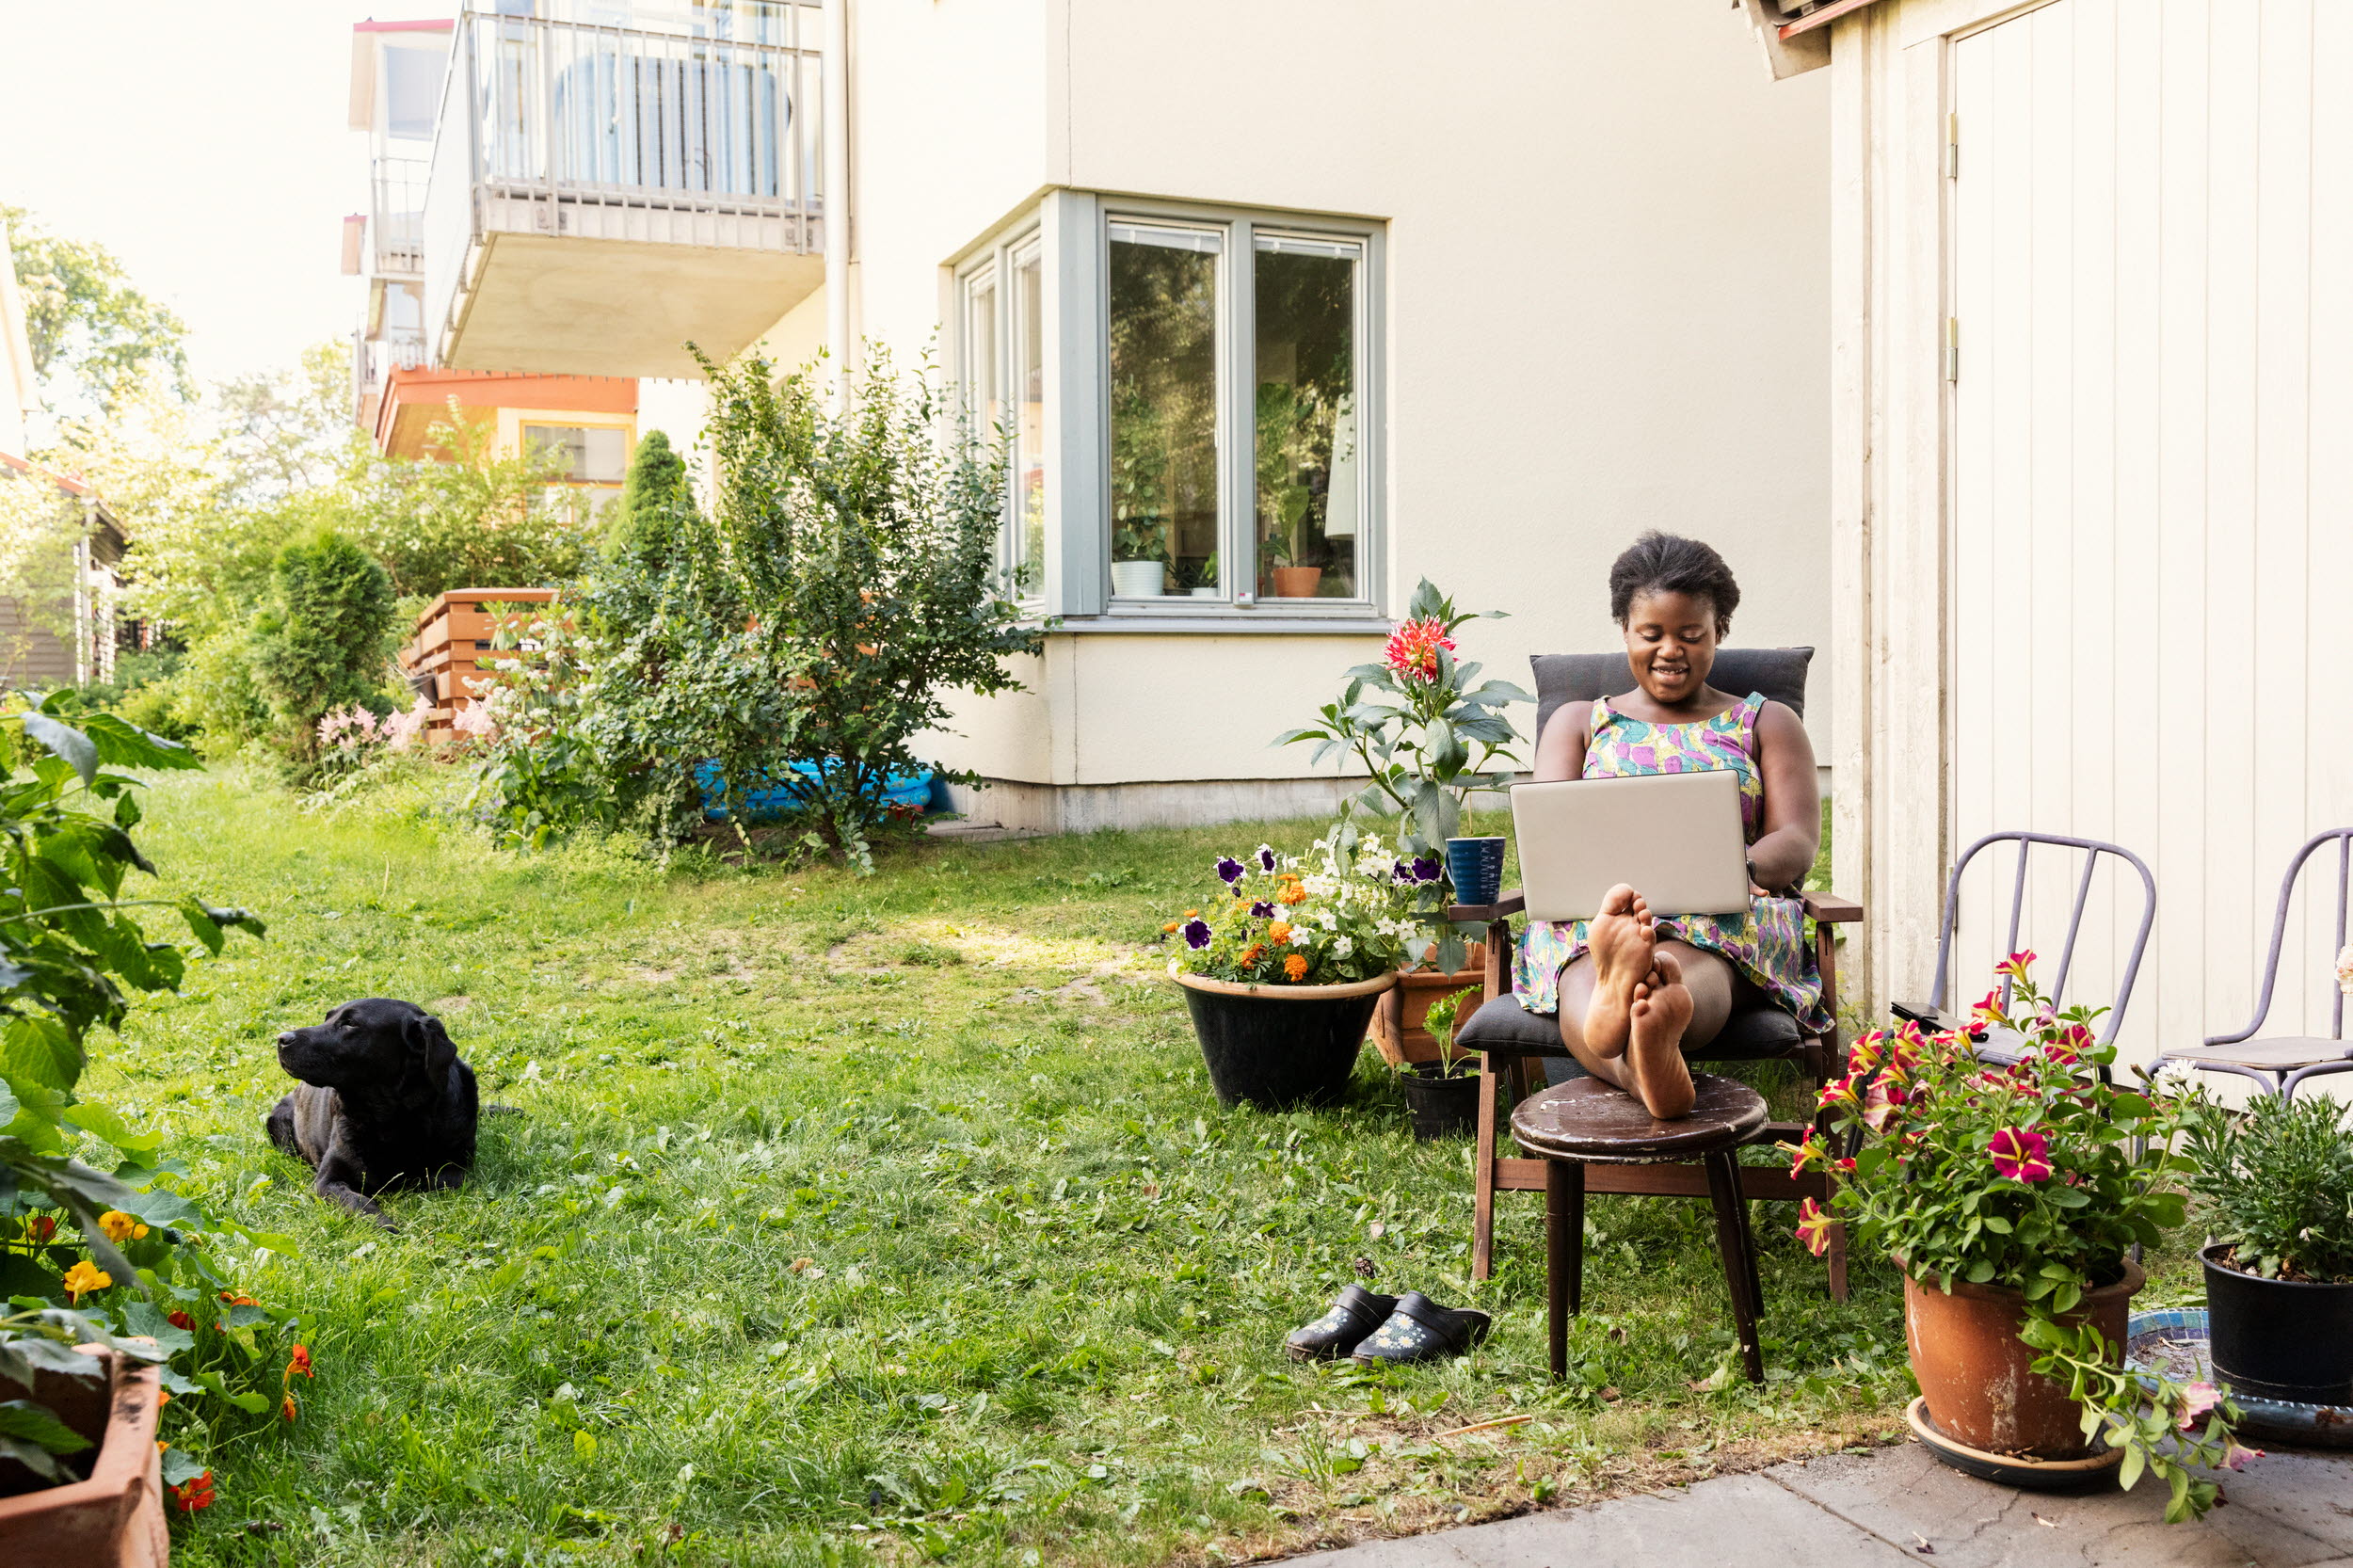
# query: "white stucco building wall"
{"type": "Point", "coordinates": [1604, 244]}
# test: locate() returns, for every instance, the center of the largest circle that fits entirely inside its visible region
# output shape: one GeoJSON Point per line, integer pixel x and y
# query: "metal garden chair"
{"type": "Point", "coordinates": [2001, 1046]}
{"type": "Point", "coordinates": [2281, 1062]}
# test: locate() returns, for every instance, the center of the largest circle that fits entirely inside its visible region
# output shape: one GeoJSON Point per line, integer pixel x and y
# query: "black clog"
{"type": "Point", "coordinates": [1421, 1330]}
{"type": "Point", "coordinates": [1355, 1313]}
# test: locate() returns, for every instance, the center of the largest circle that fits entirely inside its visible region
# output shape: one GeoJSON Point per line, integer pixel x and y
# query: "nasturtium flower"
{"type": "Point", "coordinates": [180, 1320]}
{"type": "Point", "coordinates": [288, 1409]}
{"type": "Point", "coordinates": [1197, 934]}
{"type": "Point", "coordinates": [299, 1363]}
{"type": "Point", "coordinates": [40, 1228]}
{"type": "Point", "coordinates": [2019, 1154]}
{"type": "Point", "coordinates": [1814, 1226]}
{"type": "Point", "coordinates": [120, 1227]}
{"type": "Point", "coordinates": [1262, 910]}
{"type": "Point", "coordinates": [1295, 967]}
{"type": "Point", "coordinates": [189, 1495]}
{"type": "Point", "coordinates": [85, 1277]}
{"type": "Point", "coordinates": [1229, 870]}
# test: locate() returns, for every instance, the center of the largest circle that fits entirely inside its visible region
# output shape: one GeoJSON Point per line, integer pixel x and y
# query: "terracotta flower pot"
{"type": "Point", "coordinates": [1399, 1024]}
{"type": "Point", "coordinates": [1296, 582]}
{"type": "Point", "coordinates": [115, 1519]}
{"type": "Point", "coordinates": [1977, 1374]}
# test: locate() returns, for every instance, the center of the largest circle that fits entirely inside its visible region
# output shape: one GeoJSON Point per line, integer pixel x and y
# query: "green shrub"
{"type": "Point", "coordinates": [2279, 1180]}
{"type": "Point", "coordinates": [639, 531]}
{"type": "Point", "coordinates": [323, 644]}
{"type": "Point", "coordinates": [846, 577]}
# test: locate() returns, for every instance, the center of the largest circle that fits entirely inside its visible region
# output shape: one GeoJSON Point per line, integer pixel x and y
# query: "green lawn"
{"type": "Point", "coordinates": [886, 1217]}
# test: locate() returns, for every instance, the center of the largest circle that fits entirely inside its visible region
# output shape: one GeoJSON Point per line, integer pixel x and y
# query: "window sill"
{"type": "Point", "coordinates": [1225, 621]}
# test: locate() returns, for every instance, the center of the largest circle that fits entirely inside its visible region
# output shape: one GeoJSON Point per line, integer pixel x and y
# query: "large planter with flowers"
{"type": "Point", "coordinates": [1283, 967]}
{"type": "Point", "coordinates": [2012, 1196]}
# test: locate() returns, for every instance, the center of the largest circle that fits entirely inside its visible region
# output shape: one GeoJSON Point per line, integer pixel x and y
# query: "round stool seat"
{"type": "Point", "coordinates": [1589, 1120]}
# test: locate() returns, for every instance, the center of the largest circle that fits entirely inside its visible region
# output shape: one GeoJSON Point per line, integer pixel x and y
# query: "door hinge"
{"type": "Point", "coordinates": [1952, 147]}
{"type": "Point", "coordinates": [1952, 348]}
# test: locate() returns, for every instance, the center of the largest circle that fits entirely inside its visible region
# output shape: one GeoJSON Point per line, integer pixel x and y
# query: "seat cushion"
{"type": "Point", "coordinates": [1508, 1029]}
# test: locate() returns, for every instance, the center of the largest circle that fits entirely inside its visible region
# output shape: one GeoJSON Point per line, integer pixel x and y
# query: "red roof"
{"type": "Point", "coordinates": [71, 487]}
{"type": "Point", "coordinates": [372, 26]}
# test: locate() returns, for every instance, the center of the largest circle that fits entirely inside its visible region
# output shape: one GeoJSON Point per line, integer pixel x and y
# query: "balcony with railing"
{"type": "Point", "coordinates": [611, 181]}
{"type": "Point", "coordinates": [397, 224]}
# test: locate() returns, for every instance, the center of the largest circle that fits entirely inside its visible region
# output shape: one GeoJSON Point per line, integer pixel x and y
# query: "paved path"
{"type": "Point", "coordinates": [1874, 1510]}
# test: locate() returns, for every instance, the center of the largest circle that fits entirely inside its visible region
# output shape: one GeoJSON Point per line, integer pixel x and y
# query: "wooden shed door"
{"type": "Point", "coordinates": [2152, 464]}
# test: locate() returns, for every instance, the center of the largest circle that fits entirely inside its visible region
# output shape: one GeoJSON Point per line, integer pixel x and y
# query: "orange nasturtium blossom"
{"type": "Point", "coordinates": [192, 1495]}
{"type": "Point", "coordinates": [180, 1320]}
{"type": "Point", "coordinates": [298, 1365]}
{"type": "Point", "coordinates": [288, 1408]}
{"type": "Point", "coordinates": [40, 1228]}
{"type": "Point", "coordinates": [120, 1227]}
{"type": "Point", "coordinates": [85, 1277]}
{"type": "Point", "coordinates": [236, 1300]}
{"type": "Point", "coordinates": [1295, 967]}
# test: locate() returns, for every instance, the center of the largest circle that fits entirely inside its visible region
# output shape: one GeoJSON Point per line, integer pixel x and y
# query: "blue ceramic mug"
{"type": "Point", "coordinates": [1476, 866]}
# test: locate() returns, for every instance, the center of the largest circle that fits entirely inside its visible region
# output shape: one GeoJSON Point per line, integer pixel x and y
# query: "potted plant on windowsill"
{"type": "Point", "coordinates": [1140, 558]}
{"type": "Point", "coordinates": [1442, 1096]}
{"type": "Point", "coordinates": [2012, 1197]}
{"type": "Point", "coordinates": [1427, 732]}
{"type": "Point", "coordinates": [1282, 967]}
{"type": "Point", "coordinates": [2277, 1180]}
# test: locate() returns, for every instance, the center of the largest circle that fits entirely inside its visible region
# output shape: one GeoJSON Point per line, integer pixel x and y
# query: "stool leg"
{"type": "Point", "coordinates": [1738, 1254]}
{"type": "Point", "coordinates": [1564, 1256]}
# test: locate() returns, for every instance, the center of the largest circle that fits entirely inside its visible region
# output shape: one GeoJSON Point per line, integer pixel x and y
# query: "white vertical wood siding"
{"type": "Point", "coordinates": [2150, 546]}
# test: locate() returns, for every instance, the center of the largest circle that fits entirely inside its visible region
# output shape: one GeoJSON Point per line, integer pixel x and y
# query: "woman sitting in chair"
{"type": "Point", "coordinates": [1634, 992]}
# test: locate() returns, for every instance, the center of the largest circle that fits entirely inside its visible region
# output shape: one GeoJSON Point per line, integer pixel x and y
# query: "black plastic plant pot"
{"type": "Point", "coordinates": [2281, 1340]}
{"type": "Point", "coordinates": [1441, 1104]}
{"type": "Point", "coordinates": [1279, 1047]}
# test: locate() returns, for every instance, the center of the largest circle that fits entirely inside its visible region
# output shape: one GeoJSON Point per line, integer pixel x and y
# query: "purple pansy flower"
{"type": "Point", "coordinates": [1229, 870]}
{"type": "Point", "coordinates": [1266, 858]}
{"type": "Point", "coordinates": [1262, 910]}
{"type": "Point", "coordinates": [1425, 869]}
{"type": "Point", "coordinates": [1197, 934]}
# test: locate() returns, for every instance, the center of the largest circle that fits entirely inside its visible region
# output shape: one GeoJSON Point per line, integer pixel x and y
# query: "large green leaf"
{"type": "Point", "coordinates": [123, 744]}
{"type": "Point", "coordinates": [38, 1423]}
{"type": "Point", "coordinates": [66, 741]}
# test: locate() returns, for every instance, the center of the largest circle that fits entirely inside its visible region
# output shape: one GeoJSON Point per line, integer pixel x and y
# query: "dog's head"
{"type": "Point", "coordinates": [374, 1044]}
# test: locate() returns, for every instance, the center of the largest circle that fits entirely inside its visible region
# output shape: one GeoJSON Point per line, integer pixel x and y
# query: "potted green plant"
{"type": "Point", "coordinates": [1427, 732]}
{"type": "Point", "coordinates": [1282, 967]}
{"type": "Point", "coordinates": [2012, 1197]}
{"type": "Point", "coordinates": [1442, 1096]}
{"type": "Point", "coordinates": [1206, 586]}
{"type": "Point", "coordinates": [1140, 558]}
{"type": "Point", "coordinates": [2277, 1184]}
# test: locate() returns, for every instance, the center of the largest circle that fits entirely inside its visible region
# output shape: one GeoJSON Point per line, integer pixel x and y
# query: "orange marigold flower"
{"type": "Point", "coordinates": [1170, 928]}
{"type": "Point", "coordinates": [1295, 966]}
{"type": "Point", "coordinates": [189, 1495]}
{"type": "Point", "coordinates": [1292, 894]}
{"type": "Point", "coordinates": [1192, 914]}
{"type": "Point", "coordinates": [1279, 932]}
{"type": "Point", "coordinates": [1250, 954]}
{"type": "Point", "coordinates": [298, 1365]}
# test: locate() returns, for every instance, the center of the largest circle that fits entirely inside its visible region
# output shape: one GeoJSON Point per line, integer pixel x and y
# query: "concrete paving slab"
{"type": "Point", "coordinates": [1903, 1494]}
{"type": "Point", "coordinates": [2308, 1492]}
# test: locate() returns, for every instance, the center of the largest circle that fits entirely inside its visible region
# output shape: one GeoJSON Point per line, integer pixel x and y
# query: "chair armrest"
{"type": "Point", "coordinates": [1511, 903]}
{"type": "Point", "coordinates": [1829, 909]}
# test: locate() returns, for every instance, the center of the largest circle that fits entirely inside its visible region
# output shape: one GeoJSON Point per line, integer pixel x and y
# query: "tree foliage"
{"type": "Point", "coordinates": [466, 517]}
{"type": "Point", "coordinates": [844, 581]}
{"type": "Point", "coordinates": [95, 339]}
{"type": "Point", "coordinates": [639, 528]}
{"type": "Point", "coordinates": [323, 642]}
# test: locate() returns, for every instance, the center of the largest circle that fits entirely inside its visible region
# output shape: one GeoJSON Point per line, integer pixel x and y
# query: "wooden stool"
{"type": "Point", "coordinates": [1589, 1121]}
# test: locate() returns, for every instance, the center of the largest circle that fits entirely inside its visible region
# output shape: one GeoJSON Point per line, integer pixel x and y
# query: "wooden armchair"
{"type": "Point", "coordinates": [1510, 1040]}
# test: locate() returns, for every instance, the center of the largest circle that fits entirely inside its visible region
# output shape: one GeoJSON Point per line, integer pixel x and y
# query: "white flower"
{"type": "Point", "coordinates": [1342, 947]}
{"type": "Point", "coordinates": [1299, 935]}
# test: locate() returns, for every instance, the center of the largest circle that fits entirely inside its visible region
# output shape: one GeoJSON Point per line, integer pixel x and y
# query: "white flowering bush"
{"type": "Point", "coordinates": [1328, 918]}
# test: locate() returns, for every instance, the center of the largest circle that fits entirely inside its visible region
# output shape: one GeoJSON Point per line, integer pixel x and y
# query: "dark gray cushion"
{"type": "Point", "coordinates": [1779, 673]}
{"type": "Point", "coordinates": [1505, 1027]}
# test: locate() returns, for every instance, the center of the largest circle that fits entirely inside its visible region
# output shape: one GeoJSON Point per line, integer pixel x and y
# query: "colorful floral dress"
{"type": "Point", "coordinates": [1769, 947]}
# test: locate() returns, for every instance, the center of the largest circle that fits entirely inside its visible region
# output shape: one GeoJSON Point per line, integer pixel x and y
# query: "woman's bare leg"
{"type": "Point", "coordinates": [1687, 1007]}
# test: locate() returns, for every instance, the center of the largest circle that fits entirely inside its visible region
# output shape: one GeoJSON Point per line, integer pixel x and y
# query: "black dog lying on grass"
{"type": "Point", "coordinates": [385, 1103]}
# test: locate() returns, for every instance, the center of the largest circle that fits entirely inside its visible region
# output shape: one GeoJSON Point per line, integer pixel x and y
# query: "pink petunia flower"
{"type": "Point", "coordinates": [2197, 1399]}
{"type": "Point", "coordinates": [2019, 1154]}
{"type": "Point", "coordinates": [2236, 1459]}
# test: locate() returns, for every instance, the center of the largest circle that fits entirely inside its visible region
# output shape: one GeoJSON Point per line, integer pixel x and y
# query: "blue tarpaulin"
{"type": "Point", "coordinates": [912, 789]}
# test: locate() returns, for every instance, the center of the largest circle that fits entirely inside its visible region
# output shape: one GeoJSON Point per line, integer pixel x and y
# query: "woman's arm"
{"type": "Point", "coordinates": [1785, 852]}
{"type": "Point", "coordinates": [1561, 749]}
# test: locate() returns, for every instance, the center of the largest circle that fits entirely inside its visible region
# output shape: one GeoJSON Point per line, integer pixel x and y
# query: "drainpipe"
{"type": "Point", "coordinates": [837, 129]}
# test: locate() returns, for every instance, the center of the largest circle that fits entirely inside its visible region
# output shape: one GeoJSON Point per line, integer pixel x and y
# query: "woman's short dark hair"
{"type": "Point", "coordinates": [1668, 564]}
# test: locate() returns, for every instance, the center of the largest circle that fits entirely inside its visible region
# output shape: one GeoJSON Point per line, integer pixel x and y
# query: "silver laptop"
{"type": "Point", "coordinates": [1673, 837]}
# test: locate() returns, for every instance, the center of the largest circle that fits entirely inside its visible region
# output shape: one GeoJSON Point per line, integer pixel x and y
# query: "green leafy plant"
{"type": "Point", "coordinates": [2278, 1181]}
{"type": "Point", "coordinates": [845, 579]}
{"type": "Point", "coordinates": [2038, 1178]}
{"type": "Point", "coordinates": [540, 777]}
{"type": "Point", "coordinates": [639, 528]}
{"type": "Point", "coordinates": [1344, 916]}
{"type": "Point", "coordinates": [1427, 736]}
{"type": "Point", "coordinates": [1439, 1021]}
{"type": "Point", "coordinates": [323, 642]}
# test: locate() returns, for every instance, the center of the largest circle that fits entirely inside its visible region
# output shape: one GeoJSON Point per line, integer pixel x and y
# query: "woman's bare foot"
{"type": "Point", "coordinates": [1623, 942]}
{"type": "Point", "coordinates": [1654, 1056]}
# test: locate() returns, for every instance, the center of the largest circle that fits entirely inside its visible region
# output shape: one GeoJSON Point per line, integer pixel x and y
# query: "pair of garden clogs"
{"type": "Point", "coordinates": [1381, 1330]}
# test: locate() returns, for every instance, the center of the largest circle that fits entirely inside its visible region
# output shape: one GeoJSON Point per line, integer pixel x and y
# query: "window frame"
{"type": "Point", "coordinates": [997, 263]}
{"type": "Point", "coordinates": [1071, 231]}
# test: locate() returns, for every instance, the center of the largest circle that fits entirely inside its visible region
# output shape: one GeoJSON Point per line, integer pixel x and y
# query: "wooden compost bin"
{"type": "Point", "coordinates": [452, 650]}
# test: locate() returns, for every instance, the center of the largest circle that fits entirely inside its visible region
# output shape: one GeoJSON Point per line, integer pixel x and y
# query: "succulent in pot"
{"type": "Point", "coordinates": [2012, 1196]}
{"type": "Point", "coordinates": [2275, 1185]}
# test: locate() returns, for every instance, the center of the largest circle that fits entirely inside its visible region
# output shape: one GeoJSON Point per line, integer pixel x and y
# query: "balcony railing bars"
{"type": "Point", "coordinates": [567, 112]}
{"type": "Point", "coordinates": [397, 225]}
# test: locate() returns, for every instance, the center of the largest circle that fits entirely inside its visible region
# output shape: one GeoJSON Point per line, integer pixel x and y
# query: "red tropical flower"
{"type": "Point", "coordinates": [1412, 653]}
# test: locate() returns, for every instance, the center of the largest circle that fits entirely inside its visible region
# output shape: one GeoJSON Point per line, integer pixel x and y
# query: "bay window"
{"type": "Point", "coordinates": [1210, 388]}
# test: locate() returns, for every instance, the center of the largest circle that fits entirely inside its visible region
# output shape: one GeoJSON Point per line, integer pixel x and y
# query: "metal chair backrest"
{"type": "Point", "coordinates": [2344, 837]}
{"type": "Point", "coordinates": [2092, 849]}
